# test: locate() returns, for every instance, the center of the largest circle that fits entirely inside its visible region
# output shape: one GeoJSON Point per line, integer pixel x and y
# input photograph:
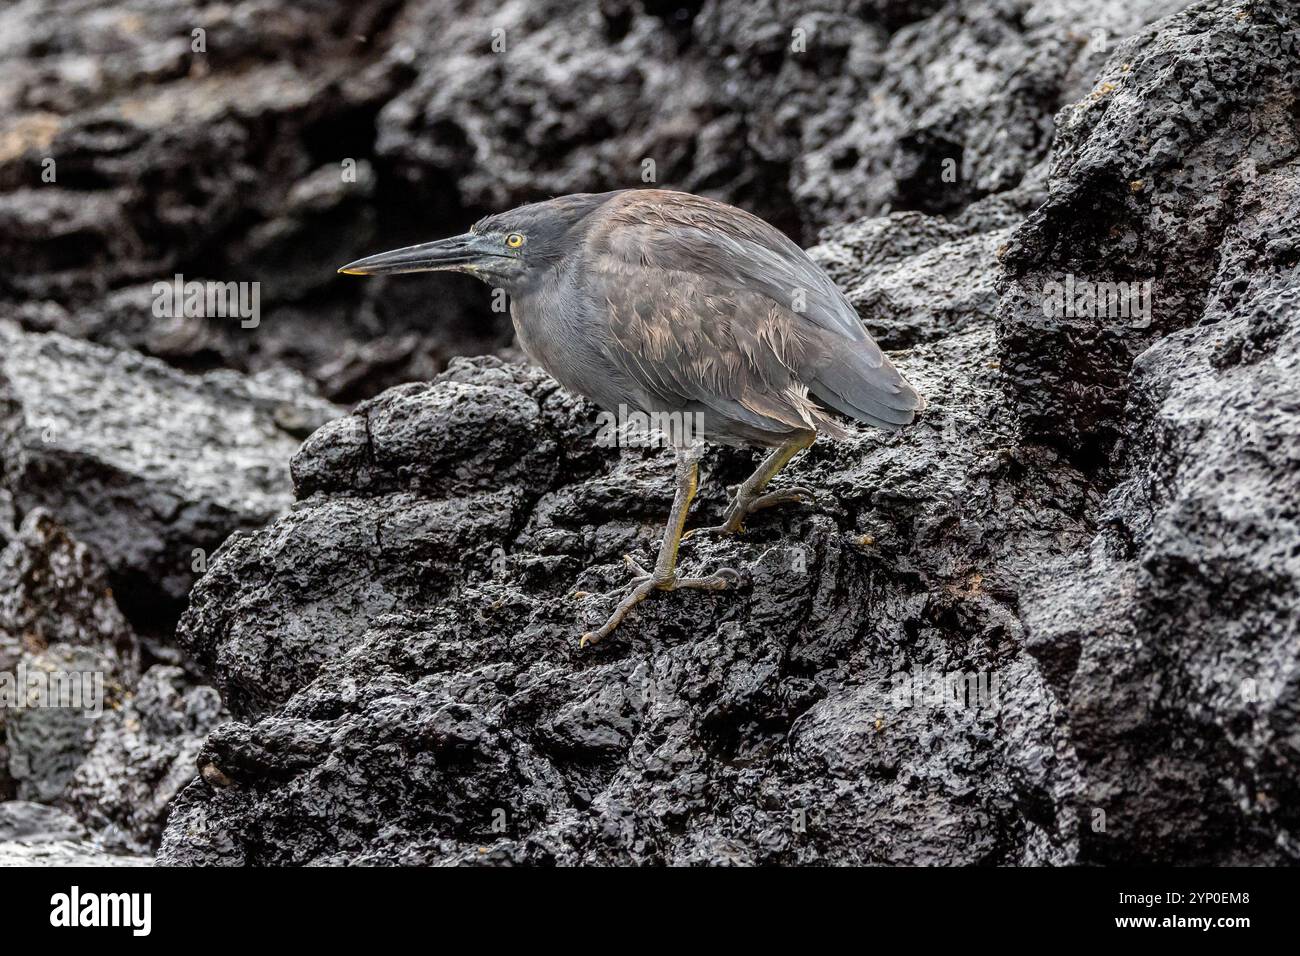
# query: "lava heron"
{"type": "Point", "coordinates": [688, 311]}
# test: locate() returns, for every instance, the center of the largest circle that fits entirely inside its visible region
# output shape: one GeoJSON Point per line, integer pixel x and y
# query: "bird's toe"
{"type": "Point", "coordinates": [719, 580]}
{"type": "Point", "coordinates": [780, 497]}
{"type": "Point", "coordinates": [714, 531]}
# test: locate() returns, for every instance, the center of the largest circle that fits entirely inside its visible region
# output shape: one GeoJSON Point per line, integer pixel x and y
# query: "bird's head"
{"type": "Point", "coordinates": [510, 250]}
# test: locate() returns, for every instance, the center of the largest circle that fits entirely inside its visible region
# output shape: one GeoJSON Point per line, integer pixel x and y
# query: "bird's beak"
{"type": "Point", "coordinates": [457, 254]}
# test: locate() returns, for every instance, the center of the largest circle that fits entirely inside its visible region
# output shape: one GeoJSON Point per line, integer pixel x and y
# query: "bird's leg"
{"type": "Point", "coordinates": [664, 576]}
{"type": "Point", "coordinates": [749, 496]}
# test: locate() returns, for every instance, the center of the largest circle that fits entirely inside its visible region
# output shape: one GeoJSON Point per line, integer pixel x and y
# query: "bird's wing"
{"type": "Point", "coordinates": [741, 299]}
{"type": "Point", "coordinates": [688, 341]}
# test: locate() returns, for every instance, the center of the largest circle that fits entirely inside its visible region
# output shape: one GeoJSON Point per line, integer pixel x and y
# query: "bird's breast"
{"type": "Point", "coordinates": [565, 341]}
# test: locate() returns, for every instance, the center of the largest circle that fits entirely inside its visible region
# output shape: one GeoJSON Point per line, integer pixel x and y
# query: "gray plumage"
{"type": "Point", "coordinates": [666, 302]}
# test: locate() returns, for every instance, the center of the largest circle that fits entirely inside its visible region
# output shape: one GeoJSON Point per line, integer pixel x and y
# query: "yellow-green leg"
{"type": "Point", "coordinates": [749, 496]}
{"type": "Point", "coordinates": [664, 577]}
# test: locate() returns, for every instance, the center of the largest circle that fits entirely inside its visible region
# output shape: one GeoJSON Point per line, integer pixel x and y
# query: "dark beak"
{"type": "Point", "coordinates": [445, 255]}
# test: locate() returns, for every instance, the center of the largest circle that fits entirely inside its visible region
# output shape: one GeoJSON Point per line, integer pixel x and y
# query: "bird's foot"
{"type": "Point", "coordinates": [741, 508]}
{"type": "Point", "coordinates": [644, 583]}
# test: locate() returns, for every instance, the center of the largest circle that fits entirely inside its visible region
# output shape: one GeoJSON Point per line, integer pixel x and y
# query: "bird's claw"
{"type": "Point", "coordinates": [644, 584]}
{"type": "Point", "coordinates": [638, 571]}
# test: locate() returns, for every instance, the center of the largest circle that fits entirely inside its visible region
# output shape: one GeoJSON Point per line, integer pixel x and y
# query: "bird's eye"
{"type": "Point", "coordinates": [514, 240]}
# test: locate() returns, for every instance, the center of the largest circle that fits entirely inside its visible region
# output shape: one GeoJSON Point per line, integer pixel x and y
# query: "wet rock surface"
{"type": "Point", "coordinates": [1152, 174]}
{"type": "Point", "coordinates": [981, 644]}
{"type": "Point", "coordinates": [461, 684]}
{"type": "Point", "coordinates": [81, 728]}
{"type": "Point", "coordinates": [121, 475]}
{"type": "Point", "coordinates": [1175, 635]}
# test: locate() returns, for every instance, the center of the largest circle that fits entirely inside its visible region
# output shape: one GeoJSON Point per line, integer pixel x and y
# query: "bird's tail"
{"type": "Point", "coordinates": [863, 384]}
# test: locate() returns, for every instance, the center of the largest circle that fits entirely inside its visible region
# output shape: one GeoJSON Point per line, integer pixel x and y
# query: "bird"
{"type": "Point", "coordinates": [685, 309]}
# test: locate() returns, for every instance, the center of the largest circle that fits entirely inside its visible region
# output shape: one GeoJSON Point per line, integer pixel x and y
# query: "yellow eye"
{"type": "Point", "coordinates": [514, 240]}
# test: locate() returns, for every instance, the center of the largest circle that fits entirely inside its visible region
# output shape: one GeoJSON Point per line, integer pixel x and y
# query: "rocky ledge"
{"type": "Point", "coordinates": [1055, 621]}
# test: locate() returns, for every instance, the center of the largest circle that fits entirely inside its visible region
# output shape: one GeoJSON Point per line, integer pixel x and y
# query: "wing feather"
{"type": "Point", "coordinates": [711, 305]}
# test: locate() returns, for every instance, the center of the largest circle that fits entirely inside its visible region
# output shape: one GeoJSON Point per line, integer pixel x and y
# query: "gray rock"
{"type": "Point", "coordinates": [36, 823]}
{"type": "Point", "coordinates": [55, 590]}
{"type": "Point", "coordinates": [57, 616]}
{"type": "Point", "coordinates": [150, 467]}
{"type": "Point", "coordinates": [1149, 171]}
{"type": "Point", "coordinates": [78, 725]}
{"type": "Point", "coordinates": [8, 515]}
{"type": "Point", "coordinates": [464, 692]}
{"type": "Point", "coordinates": [233, 163]}
{"type": "Point", "coordinates": [916, 278]}
{"type": "Point", "coordinates": [64, 853]}
{"type": "Point", "coordinates": [807, 117]}
{"type": "Point", "coordinates": [32, 834]}
{"type": "Point", "coordinates": [143, 754]}
{"type": "Point", "coordinates": [67, 689]}
{"type": "Point", "coordinates": [1173, 640]}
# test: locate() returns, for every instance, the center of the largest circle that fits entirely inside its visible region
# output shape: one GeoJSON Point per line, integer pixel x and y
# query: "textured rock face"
{"type": "Point", "coordinates": [1153, 172]}
{"type": "Point", "coordinates": [915, 278]}
{"type": "Point", "coordinates": [423, 639]}
{"type": "Point", "coordinates": [806, 116]}
{"type": "Point", "coordinates": [104, 741]}
{"type": "Point", "coordinates": [225, 162]}
{"type": "Point", "coordinates": [1055, 621]}
{"type": "Point", "coordinates": [1175, 635]}
{"type": "Point", "coordinates": [57, 615]}
{"type": "Point", "coordinates": [123, 475]}
{"type": "Point", "coordinates": [150, 467]}
{"type": "Point", "coordinates": [984, 643]}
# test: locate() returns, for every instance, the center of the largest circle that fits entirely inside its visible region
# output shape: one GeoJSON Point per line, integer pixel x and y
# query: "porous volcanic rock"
{"type": "Point", "coordinates": [986, 641]}
{"type": "Point", "coordinates": [1174, 639]}
{"type": "Point", "coordinates": [808, 116]}
{"type": "Point", "coordinates": [57, 614]}
{"type": "Point", "coordinates": [1151, 173]}
{"type": "Point", "coordinates": [413, 624]}
{"type": "Point", "coordinates": [151, 467]}
{"type": "Point", "coordinates": [116, 746]}
{"type": "Point", "coordinates": [125, 474]}
{"type": "Point", "coordinates": [32, 834]}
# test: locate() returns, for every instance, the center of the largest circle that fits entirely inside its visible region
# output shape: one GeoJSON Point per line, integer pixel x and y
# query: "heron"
{"type": "Point", "coordinates": [688, 310]}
